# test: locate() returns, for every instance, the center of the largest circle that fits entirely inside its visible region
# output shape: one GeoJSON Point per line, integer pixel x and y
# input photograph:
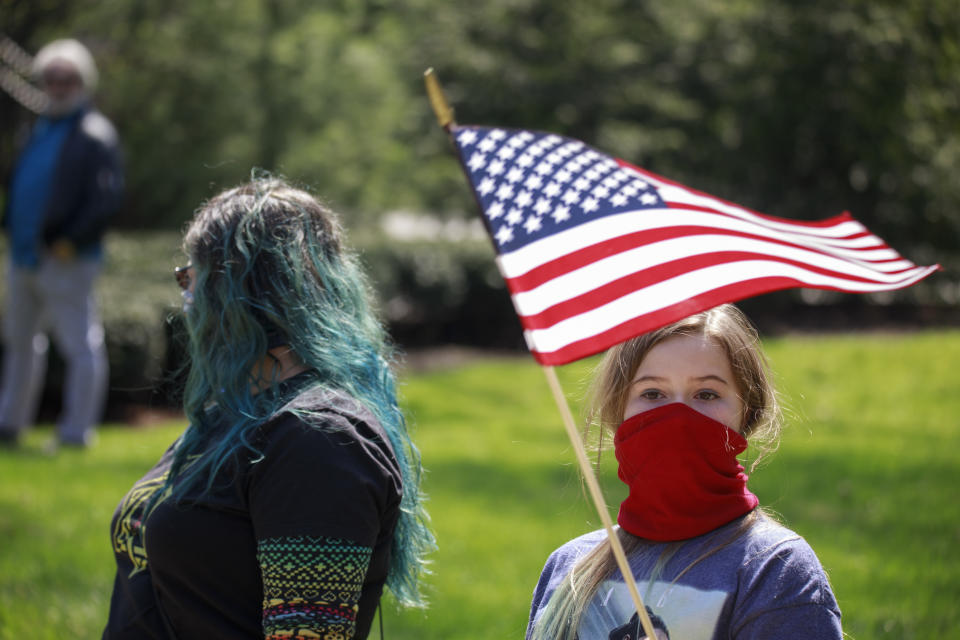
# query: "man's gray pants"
{"type": "Point", "coordinates": [57, 297]}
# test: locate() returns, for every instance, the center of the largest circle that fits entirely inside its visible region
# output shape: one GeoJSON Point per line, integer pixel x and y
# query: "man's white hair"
{"type": "Point", "coordinates": [74, 53]}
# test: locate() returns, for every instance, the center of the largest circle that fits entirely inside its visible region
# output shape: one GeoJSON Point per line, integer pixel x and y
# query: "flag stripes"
{"type": "Point", "coordinates": [643, 248]}
{"type": "Point", "coordinates": [641, 310]}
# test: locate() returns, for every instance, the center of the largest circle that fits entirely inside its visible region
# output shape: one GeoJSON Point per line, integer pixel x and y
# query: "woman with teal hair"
{"type": "Point", "coordinates": [292, 497]}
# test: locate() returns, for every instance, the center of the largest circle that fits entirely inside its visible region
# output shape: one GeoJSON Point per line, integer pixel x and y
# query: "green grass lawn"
{"type": "Point", "coordinates": [867, 472]}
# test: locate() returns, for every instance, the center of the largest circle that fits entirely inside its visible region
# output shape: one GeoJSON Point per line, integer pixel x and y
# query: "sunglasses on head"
{"type": "Point", "coordinates": [182, 274]}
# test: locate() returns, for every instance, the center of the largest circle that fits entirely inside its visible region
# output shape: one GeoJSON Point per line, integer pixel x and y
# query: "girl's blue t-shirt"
{"type": "Point", "coordinates": [766, 583]}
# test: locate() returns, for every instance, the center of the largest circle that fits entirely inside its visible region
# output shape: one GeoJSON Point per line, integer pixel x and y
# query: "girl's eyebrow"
{"type": "Point", "coordinates": [709, 376]}
{"type": "Point", "coordinates": [646, 378]}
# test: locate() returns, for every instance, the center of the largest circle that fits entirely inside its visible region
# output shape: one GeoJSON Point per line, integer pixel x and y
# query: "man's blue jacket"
{"type": "Point", "coordinates": [88, 187]}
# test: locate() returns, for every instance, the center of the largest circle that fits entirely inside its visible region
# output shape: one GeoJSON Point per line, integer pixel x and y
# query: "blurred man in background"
{"type": "Point", "coordinates": [66, 184]}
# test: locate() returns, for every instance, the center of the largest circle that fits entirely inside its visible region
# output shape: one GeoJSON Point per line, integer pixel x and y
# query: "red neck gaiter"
{"type": "Point", "coordinates": [683, 474]}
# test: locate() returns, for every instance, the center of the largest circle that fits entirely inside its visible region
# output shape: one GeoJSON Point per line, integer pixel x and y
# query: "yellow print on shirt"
{"type": "Point", "coordinates": [128, 532]}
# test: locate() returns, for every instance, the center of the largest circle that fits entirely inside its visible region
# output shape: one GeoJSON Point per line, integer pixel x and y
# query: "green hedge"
{"type": "Point", "coordinates": [441, 292]}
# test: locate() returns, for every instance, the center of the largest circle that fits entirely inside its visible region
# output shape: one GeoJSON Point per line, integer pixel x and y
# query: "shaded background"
{"type": "Point", "coordinates": [797, 109]}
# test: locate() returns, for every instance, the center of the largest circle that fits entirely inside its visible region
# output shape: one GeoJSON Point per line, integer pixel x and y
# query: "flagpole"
{"type": "Point", "coordinates": [441, 108]}
{"type": "Point", "coordinates": [444, 114]}
{"type": "Point", "coordinates": [594, 488]}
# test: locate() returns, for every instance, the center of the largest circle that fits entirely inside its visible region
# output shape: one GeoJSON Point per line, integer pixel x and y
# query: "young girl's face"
{"type": "Point", "coordinates": [693, 370]}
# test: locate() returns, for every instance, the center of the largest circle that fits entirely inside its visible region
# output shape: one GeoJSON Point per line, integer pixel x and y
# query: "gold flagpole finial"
{"type": "Point", "coordinates": [438, 101]}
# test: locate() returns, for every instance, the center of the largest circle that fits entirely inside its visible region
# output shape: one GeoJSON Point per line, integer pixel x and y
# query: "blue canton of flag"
{"type": "Point", "coordinates": [531, 185]}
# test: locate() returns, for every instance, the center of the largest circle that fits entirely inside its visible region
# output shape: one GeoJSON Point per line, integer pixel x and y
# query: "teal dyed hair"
{"type": "Point", "coordinates": [268, 260]}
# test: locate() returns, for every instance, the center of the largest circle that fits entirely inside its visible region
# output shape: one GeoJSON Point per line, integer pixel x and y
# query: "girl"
{"type": "Point", "coordinates": [293, 495]}
{"type": "Point", "coordinates": [681, 402]}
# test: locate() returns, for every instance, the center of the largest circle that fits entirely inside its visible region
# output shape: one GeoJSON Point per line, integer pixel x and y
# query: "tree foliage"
{"type": "Point", "coordinates": [799, 109]}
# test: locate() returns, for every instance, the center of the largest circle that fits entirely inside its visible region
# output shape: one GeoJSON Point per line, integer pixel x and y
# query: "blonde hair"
{"type": "Point", "coordinates": [732, 331]}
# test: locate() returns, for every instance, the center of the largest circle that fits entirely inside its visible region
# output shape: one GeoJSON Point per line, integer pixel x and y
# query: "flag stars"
{"type": "Point", "coordinates": [467, 138]}
{"type": "Point", "coordinates": [486, 187]}
{"type": "Point", "coordinates": [582, 159]}
{"type": "Point", "coordinates": [648, 199]}
{"type": "Point", "coordinates": [477, 161]}
{"type": "Point", "coordinates": [600, 191]}
{"type": "Point", "coordinates": [505, 192]}
{"type": "Point", "coordinates": [534, 182]}
{"type": "Point", "coordinates": [514, 216]}
{"type": "Point", "coordinates": [543, 206]}
{"type": "Point", "coordinates": [487, 145]}
{"type": "Point", "coordinates": [533, 224]}
{"type": "Point", "coordinates": [515, 175]}
{"type": "Point", "coordinates": [531, 183]}
{"type": "Point", "coordinates": [552, 190]}
{"type": "Point", "coordinates": [618, 200]}
{"type": "Point", "coordinates": [517, 141]}
{"type": "Point", "coordinates": [495, 168]}
{"type": "Point", "coordinates": [590, 205]}
{"type": "Point", "coordinates": [498, 134]}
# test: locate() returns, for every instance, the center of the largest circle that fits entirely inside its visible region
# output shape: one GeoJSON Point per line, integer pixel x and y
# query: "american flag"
{"type": "Point", "coordinates": [595, 251]}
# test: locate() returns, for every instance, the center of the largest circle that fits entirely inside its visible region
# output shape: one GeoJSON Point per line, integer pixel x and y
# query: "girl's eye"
{"type": "Point", "coordinates": [651, 394]}
{"type": "Point", "coordinates": [707, 395]}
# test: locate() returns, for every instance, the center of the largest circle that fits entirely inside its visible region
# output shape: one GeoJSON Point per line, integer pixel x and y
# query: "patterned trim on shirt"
{"type": "Point", "coordinates": [311, 586]}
